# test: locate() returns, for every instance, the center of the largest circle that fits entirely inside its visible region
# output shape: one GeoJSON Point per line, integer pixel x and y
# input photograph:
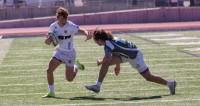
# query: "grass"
{"type": "Point", "coordinates": [23, 76]}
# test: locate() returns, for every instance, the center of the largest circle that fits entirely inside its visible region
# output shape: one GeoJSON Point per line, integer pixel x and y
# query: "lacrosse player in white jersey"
{"type": "Point", "coordinates": [63, 31]}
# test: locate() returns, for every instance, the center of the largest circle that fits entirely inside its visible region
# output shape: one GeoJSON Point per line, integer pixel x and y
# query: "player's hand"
{"type": "Point", "coordinates": [89, 35]}
{"type": "Point", "coordinates": [48, 40]}
{"type": "Point", "coordinates": [99, 62]}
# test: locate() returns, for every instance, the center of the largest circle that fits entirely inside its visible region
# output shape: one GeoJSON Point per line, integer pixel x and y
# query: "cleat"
{"type": "Point", "coordinates": [172, 87]}
{"type": "Point", "coordinates": [50, 95]}
{"type": "Point", "coordinates": [93, 88]}
{"type": "Point", "coordinates": [80, 66]}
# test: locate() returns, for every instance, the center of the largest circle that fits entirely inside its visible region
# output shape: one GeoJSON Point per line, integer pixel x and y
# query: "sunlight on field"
{"type": "Point", "coordinates": [23, 76]}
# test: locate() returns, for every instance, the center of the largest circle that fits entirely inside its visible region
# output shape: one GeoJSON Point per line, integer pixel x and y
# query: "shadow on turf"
{"type": "Point", "coordinates": [92, 97]}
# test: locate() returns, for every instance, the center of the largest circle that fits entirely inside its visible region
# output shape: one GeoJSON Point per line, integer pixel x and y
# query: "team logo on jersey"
{"type": "Point", "coordinates": [65, 31]}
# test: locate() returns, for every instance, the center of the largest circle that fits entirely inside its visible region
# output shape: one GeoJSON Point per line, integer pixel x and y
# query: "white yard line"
{"type": "Point", "coordinates": [94, 62]}
{"type": "Point", "coordinates": [177, 64]}
{"type": "Point", "coordinates": [103, 91]}
{"type": "Point", "coordinates": [96, 69]}
{"type": "Point", "coordinates": [87, 50]}
{"type": "Point", "coordinates": [192, 49]}
{"type": "Point", "coordinates": [176, 39]}
{"type": "Point", "coordinates": [161, 35]}
{"type": "Point", "coordinates": [4, 47]}
{"type": "Point", "coordinates": [184, 43]}
{"type": "Point", "coordinates": [43, 69]}
{"type": "Point", "coordinates": [146, 54]}
{"type": "Point", "coordinates": [23, 70]}
{"type": "Point", "coordinates": [79, 52]}
{"type": "Point", "coordinates": [129, 102]}
{"type": "Point", "coordinates": [181, 79]}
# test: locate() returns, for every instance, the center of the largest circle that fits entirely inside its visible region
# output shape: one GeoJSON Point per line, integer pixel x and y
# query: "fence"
{"type": "Point", "coordinates": [42, 9]}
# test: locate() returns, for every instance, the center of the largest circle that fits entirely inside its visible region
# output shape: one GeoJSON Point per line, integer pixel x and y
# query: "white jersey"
{"type": "Point", "coordinates": [65, 35]}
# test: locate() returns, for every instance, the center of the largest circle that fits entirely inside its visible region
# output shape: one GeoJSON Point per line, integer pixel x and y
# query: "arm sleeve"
{"type": "Point", "coordinates": [74, 27]}
{"type": "Point", "coordinates": [107, 49]}
{"type": "Point", "coordinates": [108, 46]}
{"type": "Point", "coordinates": [51, 28]}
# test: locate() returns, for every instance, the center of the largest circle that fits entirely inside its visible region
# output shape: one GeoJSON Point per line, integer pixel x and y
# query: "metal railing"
{"type": "Point", "coordinates": [41, 8]}
{"type": "Point", "coordinates": [80, 3]}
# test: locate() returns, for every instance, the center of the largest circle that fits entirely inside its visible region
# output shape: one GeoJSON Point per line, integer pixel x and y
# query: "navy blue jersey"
{"type": "Point", "coordinates": [121, 47]}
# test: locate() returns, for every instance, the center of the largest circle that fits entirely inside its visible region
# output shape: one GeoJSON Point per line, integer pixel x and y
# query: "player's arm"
{"type": "Point", "coordinates": [48, 38]}
{"type": "Point", "coordinates": [105, 65]}
{"type": "Point", "coordinates": [107, 58]}
{"type": "Point", "coordinates": [86, 33]}
{"type": "Point", "coordinates": [117, 66]}
{"type": "Point", "coordinates": [100, 61]}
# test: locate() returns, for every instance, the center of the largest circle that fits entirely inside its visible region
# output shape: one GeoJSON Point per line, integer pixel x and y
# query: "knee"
{"type": "Point", "coordinates": [69, 79]}
{"type": "Point", "coordinates": [148, 78]}
{"type": "Point", "coordinates": [147, 75]}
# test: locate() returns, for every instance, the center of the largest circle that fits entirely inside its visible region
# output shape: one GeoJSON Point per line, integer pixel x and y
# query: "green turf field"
{"type": "Point", "coordinates": [23, 76]}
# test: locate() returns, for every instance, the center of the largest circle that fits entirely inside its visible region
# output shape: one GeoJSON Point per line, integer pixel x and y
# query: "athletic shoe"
{"type": "Point", "coordinates": [81, 66]}
{"type": "Point", "coordinates": [93, 88]}
{"type": "Point", "coordinates": [50, 95]}
{"type": "Point", "coordinates": [172, 87]}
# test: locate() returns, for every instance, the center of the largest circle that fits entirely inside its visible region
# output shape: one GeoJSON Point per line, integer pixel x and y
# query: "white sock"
{"type": "Point", "coordinates": [168, 83]}
{"type": "Point", "coordinates": [99, 84]}
{"type": "Point", "coordinates": [76, 66]}
{"type": "Point", "coordinates": [51, 88]}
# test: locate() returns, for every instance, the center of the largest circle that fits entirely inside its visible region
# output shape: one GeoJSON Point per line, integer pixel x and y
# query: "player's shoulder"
{"type": "Point", "coordinates": [54, 24]}
{"type": "Point", "coordinates": [71, 24]}
{"type": "Point", "coordinates": [108, 42]}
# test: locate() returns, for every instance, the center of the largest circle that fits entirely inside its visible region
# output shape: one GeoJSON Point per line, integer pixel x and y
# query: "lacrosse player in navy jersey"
{"type": "Point", "coordinates": [118, 51]}
{"type": "Point", "coordinates": [63, 31]}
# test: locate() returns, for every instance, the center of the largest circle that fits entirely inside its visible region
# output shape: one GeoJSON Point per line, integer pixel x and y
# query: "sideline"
{"type": "Point", "coordinates": [4, 47]}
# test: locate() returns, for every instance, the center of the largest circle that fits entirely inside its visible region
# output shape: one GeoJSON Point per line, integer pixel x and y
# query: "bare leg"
{"type": "Point", "coordinates": [102, 73]}
{"type": "Point", "coordinates": [70, 73]}
{"type": "Point", "coordinates": [152, 78]}
{"type": "Point", "coordinates": [53, 64]}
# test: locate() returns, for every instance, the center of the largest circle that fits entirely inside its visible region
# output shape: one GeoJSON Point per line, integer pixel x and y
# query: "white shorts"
{"type": "Point", "coordinates": [137, 63]}
{"type": "Point", "coordinates": [65, 57]}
